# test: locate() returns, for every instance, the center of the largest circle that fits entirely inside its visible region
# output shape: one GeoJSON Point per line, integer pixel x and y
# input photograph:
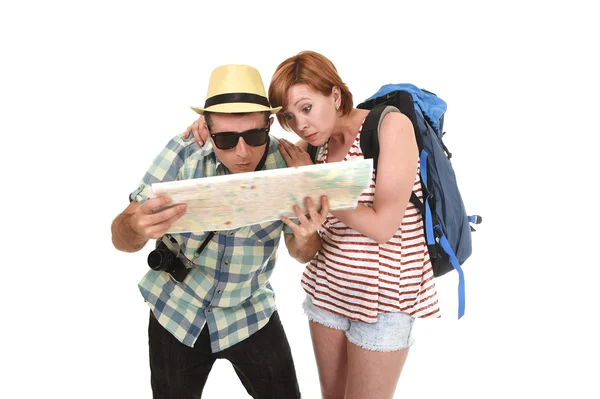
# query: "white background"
{"type": "Point", "coordinates": [90, 91]}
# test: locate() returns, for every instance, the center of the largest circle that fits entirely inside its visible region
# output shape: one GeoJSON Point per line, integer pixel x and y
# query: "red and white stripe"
{"type": "Point", "coordinates": [354, 276]}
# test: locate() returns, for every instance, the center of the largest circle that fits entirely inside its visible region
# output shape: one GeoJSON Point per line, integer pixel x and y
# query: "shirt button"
{"type": "Point", "coordinates": [226, 262]}
{"type": "Point", "coordinates": [209, 310]}
{"type": "Point", "coordinates": [232, 233]}
{"type": "Point", "coordinates": [220, 291]}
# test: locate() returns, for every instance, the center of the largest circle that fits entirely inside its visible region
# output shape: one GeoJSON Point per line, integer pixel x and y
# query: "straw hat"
{"type": "Point", "coordinates": [234, 89]}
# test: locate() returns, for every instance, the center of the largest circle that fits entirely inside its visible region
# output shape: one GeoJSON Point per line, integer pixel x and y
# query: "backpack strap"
{"type": "Point", "coordinates": [312, 151]}
{"type": "Point", "coordinates": [369, 136]}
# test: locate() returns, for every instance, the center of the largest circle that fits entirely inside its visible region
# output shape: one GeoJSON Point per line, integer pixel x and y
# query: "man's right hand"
{"type": "Point", "coordinates": [132, 229]}
{"type": "Point", "coordinates": [149, 224]}
{"type": "Point", "coordinates": [199, 130]}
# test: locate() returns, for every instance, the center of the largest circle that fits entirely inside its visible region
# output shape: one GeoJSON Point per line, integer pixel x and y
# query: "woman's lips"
{"type": "Point", "coordinates": [310, 137]}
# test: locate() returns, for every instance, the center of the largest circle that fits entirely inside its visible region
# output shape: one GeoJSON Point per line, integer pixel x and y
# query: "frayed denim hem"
{"type": "Point", "coordinates": [374, 348]}
{"type": "Point", "coordinates": [312, 318]}
{"type": "Point", "coordinates": [328, 321]}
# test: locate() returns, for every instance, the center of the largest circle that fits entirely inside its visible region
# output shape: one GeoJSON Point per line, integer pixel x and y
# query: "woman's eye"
{"type": "Point", "coordinates": [307, 108]}
{"type": "Point", "coordinates": [287, 116]}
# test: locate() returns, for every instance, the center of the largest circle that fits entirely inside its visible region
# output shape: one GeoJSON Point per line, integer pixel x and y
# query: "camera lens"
{"type": "Point", "coordinates": [160, 259]}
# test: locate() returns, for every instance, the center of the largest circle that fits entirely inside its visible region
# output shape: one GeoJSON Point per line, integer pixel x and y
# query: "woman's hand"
{"type": "Point", "coordinates": [199, 130]}
{"type": "Point", "coordinates": [309, 223]}
{"type": "Point", "coordinates": [293, 155]}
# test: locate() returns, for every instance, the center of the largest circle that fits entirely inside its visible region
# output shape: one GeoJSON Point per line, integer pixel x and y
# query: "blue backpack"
{"type": "Point", "coordinates": [447, 227]}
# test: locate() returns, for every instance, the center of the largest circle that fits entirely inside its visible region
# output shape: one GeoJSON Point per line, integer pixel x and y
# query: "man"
{"type": "Point", "coordinates": [224, 307]}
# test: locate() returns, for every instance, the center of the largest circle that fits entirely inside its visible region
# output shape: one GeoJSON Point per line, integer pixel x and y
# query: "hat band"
{"type": "Point", "coordinates": [236, 98]}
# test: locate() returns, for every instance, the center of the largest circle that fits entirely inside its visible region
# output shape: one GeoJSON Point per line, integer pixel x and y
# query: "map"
{"type": "Point", "coordinates": [236, 200]}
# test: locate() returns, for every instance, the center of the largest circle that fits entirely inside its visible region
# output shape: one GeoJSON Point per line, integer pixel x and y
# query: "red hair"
{"type": "Point", "coordinates": [312, 69]}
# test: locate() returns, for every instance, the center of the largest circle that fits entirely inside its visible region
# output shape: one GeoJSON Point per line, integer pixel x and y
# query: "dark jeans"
{"type": "Point", "coordinates": [263, 363]}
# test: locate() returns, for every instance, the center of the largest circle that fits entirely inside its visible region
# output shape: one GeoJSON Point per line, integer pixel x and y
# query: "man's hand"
{"type": "Point", "coordinates": [199, 130]}
{"type": "Point", "coordinates": [132, 229]}
{"type": "Point", "coordinates": [293, 155]}
{"type": "Point", "coordinates": [149, 224]}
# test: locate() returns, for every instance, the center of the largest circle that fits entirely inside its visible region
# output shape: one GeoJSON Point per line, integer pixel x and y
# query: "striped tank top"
{"type": "Point", "coordinates": [357, 278]}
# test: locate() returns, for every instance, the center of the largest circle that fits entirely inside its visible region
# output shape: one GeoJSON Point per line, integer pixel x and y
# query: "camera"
{"type": "Point", "coordinates": [166, 257]}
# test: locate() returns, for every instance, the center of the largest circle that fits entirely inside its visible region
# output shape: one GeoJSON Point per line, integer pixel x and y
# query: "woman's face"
{"type": "Point", "coordinates": [310, 114]}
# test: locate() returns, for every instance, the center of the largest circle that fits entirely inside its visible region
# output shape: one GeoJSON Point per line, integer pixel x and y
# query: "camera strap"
{"type": "Point", "coordinates": [261, 163]}
{"type": "Point", "coordinates": [205, 243]}
{"type": "Point", "coordinates": [173, 246]}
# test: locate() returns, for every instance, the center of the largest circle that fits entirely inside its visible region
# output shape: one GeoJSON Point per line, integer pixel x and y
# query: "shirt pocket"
{"type": "Point", "coordinates": [263, 234]}
{"type": "Point", "coordinates": [254, 247]}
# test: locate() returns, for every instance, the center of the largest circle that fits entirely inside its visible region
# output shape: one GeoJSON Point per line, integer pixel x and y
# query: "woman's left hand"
{"type": "Point", "coordinates": [293, 155]}
{"type": "Point", "coordinates": [308, 223]}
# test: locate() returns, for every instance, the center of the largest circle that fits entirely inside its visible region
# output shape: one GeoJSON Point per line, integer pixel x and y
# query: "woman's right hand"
{"type": "Point", "coordinates": [293, 155]}
{"type": "Point", "coordinates": [199, 130]}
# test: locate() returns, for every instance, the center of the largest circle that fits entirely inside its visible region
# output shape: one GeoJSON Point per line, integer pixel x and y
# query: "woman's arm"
{"type": "Point", "coordinates": [396, 172]}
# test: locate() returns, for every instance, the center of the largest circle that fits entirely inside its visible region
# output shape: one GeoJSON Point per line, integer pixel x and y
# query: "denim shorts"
{"type": "Point", "coordinates": [391, 331]}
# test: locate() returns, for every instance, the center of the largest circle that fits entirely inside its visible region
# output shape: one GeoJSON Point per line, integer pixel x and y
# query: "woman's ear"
{"type": "Point", "coordinates": [336, 93]}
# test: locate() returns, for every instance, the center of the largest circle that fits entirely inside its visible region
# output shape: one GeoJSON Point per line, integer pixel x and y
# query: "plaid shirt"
{"type": "Point", "coordinates": [229, 288]}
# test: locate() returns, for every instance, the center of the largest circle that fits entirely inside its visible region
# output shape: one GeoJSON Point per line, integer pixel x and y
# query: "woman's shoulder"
{"type": "Point", "coordinates": [394, 121]}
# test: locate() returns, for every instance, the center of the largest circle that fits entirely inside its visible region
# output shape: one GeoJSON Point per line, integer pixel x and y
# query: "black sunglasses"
{"type": "Point", "coordinates": [228, 140]}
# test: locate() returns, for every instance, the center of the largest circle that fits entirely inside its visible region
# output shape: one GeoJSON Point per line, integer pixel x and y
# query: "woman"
{"type": "Point", "coordinates": [372, 276]}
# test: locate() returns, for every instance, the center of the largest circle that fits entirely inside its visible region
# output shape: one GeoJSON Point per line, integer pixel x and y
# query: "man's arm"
{"type": "Point", "coordinates": [132, 229]}
{"type": "Point", "coordinates": [303, 250]}
{"type": "Point", "coordinates": [124, 237]}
